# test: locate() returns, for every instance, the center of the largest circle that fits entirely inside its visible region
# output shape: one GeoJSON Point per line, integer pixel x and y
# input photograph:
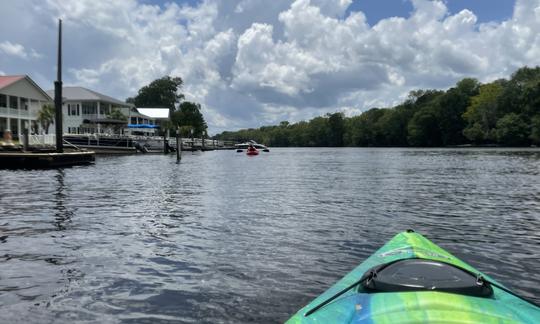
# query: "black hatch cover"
{"type": "Point", "coordinates": [424, 275]}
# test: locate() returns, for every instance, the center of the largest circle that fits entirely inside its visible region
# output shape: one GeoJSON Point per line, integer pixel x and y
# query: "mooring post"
{"type": "Point", "coordinates": [58, 94]}
{"type": "Point", "coordinates": [25, 140]}
{"type": "Point", "coordinates": [192, 142]}
{"type": "Point", "coordinates": [178, 146]}
{"type": "Point", "coordinates": [165, 146]}
{"type": "Point", "coordinates": [203, 140]}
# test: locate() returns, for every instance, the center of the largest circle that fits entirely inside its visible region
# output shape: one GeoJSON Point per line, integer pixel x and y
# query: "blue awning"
{"type": "Point", "coordinates": [142, 126]}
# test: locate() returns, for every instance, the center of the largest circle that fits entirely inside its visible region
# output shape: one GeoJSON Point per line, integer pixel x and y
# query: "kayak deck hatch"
{"type": "Point", "coordinates": [422, 275]}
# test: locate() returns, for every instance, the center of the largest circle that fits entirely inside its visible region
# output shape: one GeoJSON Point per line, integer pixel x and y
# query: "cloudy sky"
{"type": "Point", "coordinates": [258, 62]}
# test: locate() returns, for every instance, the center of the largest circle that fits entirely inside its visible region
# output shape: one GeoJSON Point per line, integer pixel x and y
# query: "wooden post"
{"type": "Point", "coordinates": [203, 140]}
{"type": "Point", "coordinates": [58, 95]}
{"type": "Point", "coordinates": [165, 146]}
{"type": "Point", "coordinates": [178, 146]}
{"type": "Point", "coordinates": [192, 142]}
{"type": "Point", "coordinates": [25, 141]}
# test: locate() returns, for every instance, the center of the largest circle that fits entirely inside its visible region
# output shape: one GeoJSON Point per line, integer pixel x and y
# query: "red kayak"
{"type": "Point", "coordinates": [252, 152]}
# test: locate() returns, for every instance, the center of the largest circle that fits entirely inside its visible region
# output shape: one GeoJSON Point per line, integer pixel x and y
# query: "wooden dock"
{"type": "Point", "coordinates": [44, 160]}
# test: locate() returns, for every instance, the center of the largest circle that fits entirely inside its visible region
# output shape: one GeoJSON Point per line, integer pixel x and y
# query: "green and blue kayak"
{"type": "Point", "coordinates": [412, 280]}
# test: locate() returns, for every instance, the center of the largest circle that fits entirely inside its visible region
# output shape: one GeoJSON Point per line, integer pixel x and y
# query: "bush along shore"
{"type": "Point", "coordinates": [500, 113]}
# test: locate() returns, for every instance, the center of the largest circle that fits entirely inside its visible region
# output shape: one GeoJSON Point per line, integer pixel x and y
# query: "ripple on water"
{"type": "Point", "coordinates": [224, 238]}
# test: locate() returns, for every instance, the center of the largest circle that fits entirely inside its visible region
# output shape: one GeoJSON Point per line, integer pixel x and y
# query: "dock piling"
{"type": "Point", "coordinates": [58, 94]}
{"type": "Point", "coordinates": [25, 140]}
{"type": "Point", "coordinates": [178, 146]}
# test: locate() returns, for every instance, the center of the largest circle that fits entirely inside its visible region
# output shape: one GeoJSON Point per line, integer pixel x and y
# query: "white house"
{"type": "Point", "coordinates": [88, 112]}
{"type": "Point", "coordinates": [20, 100]}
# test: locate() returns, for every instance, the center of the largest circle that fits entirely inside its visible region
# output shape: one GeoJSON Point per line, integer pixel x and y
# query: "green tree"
{"type": "Point", "coordinates": [512, 130]}
{"type": "Point", "coordinates": [318, 132]}
{"type": "Point", "coordinates": [522, 92]}
{"type": "Point", "coordinates": [484, 110]}
{"type": "Point", "coordinates": [475, 133]}
{"type": "Point", "coordinates": [535, 129]}
{"type": "Point", "coordinates": [392, 127]}
{"type": "Point", "coordinates": [189, 114]}
{"type": "Point", "coordinates": [364, 128]}
{"type": "Point", "coordinates": [162, 93]}
{"type": "Point", "coordinates": [451, 107]}
{"type": "Point", "coordinates": [336, 129]}
{"type": "Point", "coordinates": [423, 129]}
{"type": "Point", "coordinates": [45, 116]}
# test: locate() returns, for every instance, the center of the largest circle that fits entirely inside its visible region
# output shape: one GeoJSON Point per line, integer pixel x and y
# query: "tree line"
{"type": "Point", "coordinates": [503, 112]}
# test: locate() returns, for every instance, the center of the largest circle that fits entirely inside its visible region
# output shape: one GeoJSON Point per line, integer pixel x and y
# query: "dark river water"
{"type": "Point", "coordinates": [226, 238]}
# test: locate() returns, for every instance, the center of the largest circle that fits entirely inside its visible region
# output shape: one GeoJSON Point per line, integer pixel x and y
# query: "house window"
{"type": "Point", "coordinates": [89, 108]}
{"type": "Point", "coordinates": [13, 102]}
{"type": "Point", "coordinates": [24, 103]}
{"type": "Point", "coordinates": [3, 100]}
{"type": "Point", "coordinates": [72, 110]}
{"type": "Point", "coordinates": [133, 120]}
{"type": "Point", "coordinates": [78, 109]}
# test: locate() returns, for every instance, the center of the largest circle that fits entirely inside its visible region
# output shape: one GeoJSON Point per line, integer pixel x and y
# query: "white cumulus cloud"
{"type": "Point", "coordinates": [256, 62]}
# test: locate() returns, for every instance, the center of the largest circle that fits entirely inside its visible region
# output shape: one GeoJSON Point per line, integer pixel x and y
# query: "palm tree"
{"type": "Point", "coordinates": [46, 116]}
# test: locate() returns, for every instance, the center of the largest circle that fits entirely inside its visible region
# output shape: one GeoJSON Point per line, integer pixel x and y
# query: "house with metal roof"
{"type": "Point", "coordinates": [89, 112]}
{"type": "Point", "coordinates": [20, 101]}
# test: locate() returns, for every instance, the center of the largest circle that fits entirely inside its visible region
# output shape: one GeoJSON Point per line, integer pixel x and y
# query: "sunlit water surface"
{"type": "Point", "coordinates": [223, 237]}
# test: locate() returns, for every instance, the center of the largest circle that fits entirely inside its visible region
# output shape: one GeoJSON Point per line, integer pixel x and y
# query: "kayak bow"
{"type": "Point", "coordinates": [411, 280]}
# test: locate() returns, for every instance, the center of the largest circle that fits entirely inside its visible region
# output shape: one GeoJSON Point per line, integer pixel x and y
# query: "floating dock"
{"type": "Point", "coordinates": [44, 160]}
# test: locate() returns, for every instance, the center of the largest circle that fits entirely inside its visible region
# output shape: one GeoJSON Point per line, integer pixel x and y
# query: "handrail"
{"type": "Point", "coordinates": [72, 145]}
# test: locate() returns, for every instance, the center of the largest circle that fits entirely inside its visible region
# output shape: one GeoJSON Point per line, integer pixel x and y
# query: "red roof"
{"type": "Point", "coordinates": [9, 79]}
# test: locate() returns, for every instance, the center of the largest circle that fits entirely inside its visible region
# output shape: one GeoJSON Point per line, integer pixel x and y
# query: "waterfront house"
{"type": "Point", "coordinates": [89, 112]}
{"type": "Point", "coordinates": [141, 124]}
{"type": "Point", "coordinates": [20, 101]}
{"type": "Point", "coordinates": [146, 121]}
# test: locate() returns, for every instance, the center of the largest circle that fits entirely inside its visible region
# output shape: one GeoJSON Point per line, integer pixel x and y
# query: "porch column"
{"type": "Point", "coordinates": [8, 107]}
{"type": "Point", "coordinates": [97, 123]}
{"type": "Point", "coordinates": [19, 123]}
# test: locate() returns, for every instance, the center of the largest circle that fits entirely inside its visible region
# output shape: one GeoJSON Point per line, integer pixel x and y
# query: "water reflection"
{"type": "Point", "coordinates": [63, 215]}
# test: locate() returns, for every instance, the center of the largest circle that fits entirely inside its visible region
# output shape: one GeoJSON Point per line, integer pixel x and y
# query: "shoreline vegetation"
{"type": "Point", "coordinates": [470, 114]}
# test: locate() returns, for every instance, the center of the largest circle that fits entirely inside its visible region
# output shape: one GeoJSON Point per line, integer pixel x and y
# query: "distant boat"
{"type": "Point", "coordinates": [243, 146]}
